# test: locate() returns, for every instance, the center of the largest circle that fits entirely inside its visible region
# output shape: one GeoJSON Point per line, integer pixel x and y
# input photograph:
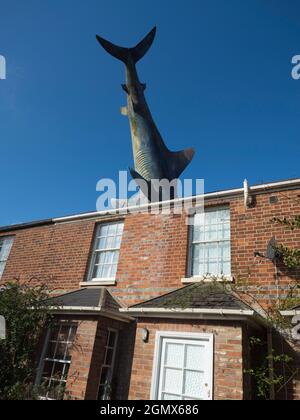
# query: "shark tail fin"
{"type": "Point", "coordinates": [178, 161]}
{"type": "Point", "coordinates": [123, 54]}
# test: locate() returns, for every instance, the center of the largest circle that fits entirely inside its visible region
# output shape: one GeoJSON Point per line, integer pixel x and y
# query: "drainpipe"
{"type": "Point", "coordinates": [271, 363]}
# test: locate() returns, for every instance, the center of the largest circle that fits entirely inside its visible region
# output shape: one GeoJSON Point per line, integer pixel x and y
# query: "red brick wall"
{"type": "Point", "coordinates": [153, 261]}
{"type": "Point", "coordinates": [57, 255]}
{"type": "Point", "coordinates": [228, 360]}
{"type": "Point", "coordinates": [154, 250]}
{"type": "Point", "coordinates": [81, 354]}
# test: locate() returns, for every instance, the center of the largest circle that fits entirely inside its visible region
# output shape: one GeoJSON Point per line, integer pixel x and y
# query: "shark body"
{"type": "Point", "coordinates": [152, 159]}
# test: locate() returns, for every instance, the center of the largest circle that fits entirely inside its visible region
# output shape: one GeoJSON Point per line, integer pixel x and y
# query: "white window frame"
{"type": "Point", "coordinates": [208, 277]}
{"type": "Point", "coordinates": [91, 280]}
{"type": "Point", "coordinates": [44, 359]}
{"type": "Point", "coordinates": [112, 365]}
{"type": "Point", "coordinates": [181, 337]}
{"type": "Point", "coordinates": [4, 261]}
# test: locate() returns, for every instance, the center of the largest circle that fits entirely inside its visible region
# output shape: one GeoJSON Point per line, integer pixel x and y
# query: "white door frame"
{"type": "Point", "coordinates": [160, 335]}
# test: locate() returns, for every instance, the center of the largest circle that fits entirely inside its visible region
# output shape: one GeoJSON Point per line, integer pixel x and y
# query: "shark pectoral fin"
{"type": "Point", "coordinates": [144, 185]}
{"type": "Point", "coordinates": [124, 111]}
{"type": "Point", "coordinates": [125, 88]}
{"type": "Point", "coordinates": [178, 161]}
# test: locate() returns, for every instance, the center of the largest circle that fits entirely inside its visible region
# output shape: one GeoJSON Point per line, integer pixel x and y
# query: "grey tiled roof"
{"type": "Point", "coordinates": [197, 296]}
{"type": "Point", "coordinates": [87, 298]}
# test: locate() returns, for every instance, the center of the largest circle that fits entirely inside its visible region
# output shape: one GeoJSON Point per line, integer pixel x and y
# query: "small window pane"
{"type": "Point", "coordinates": [193, 355]}
{"type": "Point", "coordinates": [105, 376]}
{"type": "Point", "coordinates": [174, 355]}
{"type": "Point", "coordinates": [112, 339]}
{"type": "Point", "coordinates": [109, 356]}
{"type": "Point", "coordinates": [173, 381]}
{"type": "Point", "coordinates": [193, 383]}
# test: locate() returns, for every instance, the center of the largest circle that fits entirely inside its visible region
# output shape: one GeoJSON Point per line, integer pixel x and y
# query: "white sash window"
{"type": "Point", "coordinates": [5, 248]}
{"type": "Point", "coordinates": [210, 245]}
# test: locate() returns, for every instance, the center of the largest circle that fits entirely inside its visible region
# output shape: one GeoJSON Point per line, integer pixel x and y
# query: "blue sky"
{"type": "Point", "coordinates": [218, 77]}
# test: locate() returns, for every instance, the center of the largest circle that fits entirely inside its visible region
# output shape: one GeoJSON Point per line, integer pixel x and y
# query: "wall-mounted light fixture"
{"type": "Point", "coordinates": [145, 335]}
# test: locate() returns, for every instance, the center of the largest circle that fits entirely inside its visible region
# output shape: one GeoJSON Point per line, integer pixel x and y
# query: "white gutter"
{"type": "Point", "coordinates": [222, 312]}
{"type": "Point", "coordinates": [292, 312]}
{"type": "Point", "coordinates": [90, 310]}
{"type": "Point", "coordinates": [218, 194]}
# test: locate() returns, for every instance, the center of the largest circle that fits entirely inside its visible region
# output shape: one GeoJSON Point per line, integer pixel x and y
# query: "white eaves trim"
{"type": "Point", "coordinates": [219, 194]}
{"type": "Point", "coordinates": [90, 310]}
{"type": "Point", "coordinates": [189, 312]}
{"type": "Point", "coordinates": [292, 312]}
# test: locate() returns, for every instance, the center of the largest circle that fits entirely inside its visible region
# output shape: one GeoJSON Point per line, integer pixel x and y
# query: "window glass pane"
{"type": "Point", "coordinates": [172, 381]}
{"type": "Point", "coordinates": [105, 272]}
{"type": "Point", "coordinates": [113, 272]}
{"type": "Point", "coordinates": [110, 243]}
{"type": "Point", "coordinates": [64, 333]}
{"type": "Point", "coordinates": [60, 351]}
{"type": "Point", "coordinates": [213, 268]}
{"type": "Point", "coordinates": [226, 269]}
{"type": "Point", "coordinates": [193, 383]}
{"type": "Point", "coordinates": [120, 228]}
{"type": "Point", "coordinates": [109, 356]}
{"type": "Point", "coordinates": [112, 339]}
{"type": "Point", "coordinates": [57, 371]}
{"type": "Point", "coordinates": [51, 350]}
{"type": "Point", "coordinates": [112, 229]}
{"type": "Point", "coordinates": [101, 243]}
{"type": "Point", "coordinates": [104, 230]}
{"type": "Point", "coordinates": [97, 272]}
{"type": "Point", "coordinates": [47, 370]}
{"type": "Point", "coordinates": [225, 250]}
{"type": "Point", "coordinates": [105, 376]}
{"type": "Point", "coordinates": [174, 355]}
{"type": "Point", "coordinates": [193, 355]}
{"type": "Point", "coordinates": [2, 266]}
{"type": "Point", "coordinates": [5, 248]}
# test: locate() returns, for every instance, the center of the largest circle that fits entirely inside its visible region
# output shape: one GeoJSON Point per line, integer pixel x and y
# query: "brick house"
{"type": "Point", "coordinates": [138, 316]}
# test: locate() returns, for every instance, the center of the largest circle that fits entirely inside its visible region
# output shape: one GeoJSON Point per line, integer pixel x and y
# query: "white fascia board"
{"type": "Point", "coordinates": [86, 310]}
{"type": "Point", "coordinates": [188, 311]}
{"type": "Point", "coordinates": [218, 194]}
{"type": "Point", "coordinates": [293, 312]}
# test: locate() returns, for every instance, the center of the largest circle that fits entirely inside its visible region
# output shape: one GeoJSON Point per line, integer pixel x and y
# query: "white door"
{"type": "Point", "coordinates": [184, 367]}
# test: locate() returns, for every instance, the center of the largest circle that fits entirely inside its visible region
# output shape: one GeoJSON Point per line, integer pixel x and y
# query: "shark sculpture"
{"type": "Point", "coordinates": [152, 159]}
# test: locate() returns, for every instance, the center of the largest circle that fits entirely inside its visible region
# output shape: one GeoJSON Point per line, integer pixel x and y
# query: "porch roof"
{"type": "Point", "coordinates": [201, 295]}
{"type": "Point", "coordinates": [201, 300]}
{"type": "Point", "coordinates": [88, 301]}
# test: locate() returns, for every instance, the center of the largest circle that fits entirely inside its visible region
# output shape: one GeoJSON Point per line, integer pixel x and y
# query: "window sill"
{"type": "Point", "coordinates": [95, 283]}
{"type": "Point", "coordinates": [207, 279]}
